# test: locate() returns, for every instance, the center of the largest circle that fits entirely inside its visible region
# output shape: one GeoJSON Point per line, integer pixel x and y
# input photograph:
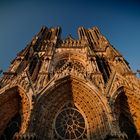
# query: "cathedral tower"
{"type": "Point", "coordinates": [69, 90]}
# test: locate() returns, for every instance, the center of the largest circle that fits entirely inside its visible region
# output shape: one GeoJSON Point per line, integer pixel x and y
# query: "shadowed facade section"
{"type": "Point", "coordinates": [69, 89]}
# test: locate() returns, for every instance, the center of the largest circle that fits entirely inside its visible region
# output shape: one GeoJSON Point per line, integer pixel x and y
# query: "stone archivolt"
{"type": "Point", "coordinates": [69, 89]}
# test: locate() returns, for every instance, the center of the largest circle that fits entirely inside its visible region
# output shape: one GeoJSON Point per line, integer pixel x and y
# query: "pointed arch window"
{"type": "Point", "coordinates": [34, 67]}
{"type": "Point", "coordinates": [104, 68]}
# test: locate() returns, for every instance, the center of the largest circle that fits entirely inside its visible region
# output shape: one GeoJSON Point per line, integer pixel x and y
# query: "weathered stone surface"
{"type": "Point", "coordinates": [69, 89]}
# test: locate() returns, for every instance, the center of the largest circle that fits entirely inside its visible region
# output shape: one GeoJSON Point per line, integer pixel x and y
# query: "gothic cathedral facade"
{"type": "Point", "coordinates": [69, 89]}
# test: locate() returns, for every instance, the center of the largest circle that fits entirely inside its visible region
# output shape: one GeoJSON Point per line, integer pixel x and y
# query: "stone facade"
{"type": "Point", "coordinates": [69, 89]}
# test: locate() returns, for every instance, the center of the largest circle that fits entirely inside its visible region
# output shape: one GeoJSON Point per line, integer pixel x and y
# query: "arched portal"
{"type": "Point", "coordinates": [12, 127]}
{"type": "Point", "coordinates": [14, 108]}
{"type": "Point", "coordinates": [10, 114]}
{"type": "Point", "coordinates": [75, 107]}
{"type": "Point", "coordinates": [126, 112]}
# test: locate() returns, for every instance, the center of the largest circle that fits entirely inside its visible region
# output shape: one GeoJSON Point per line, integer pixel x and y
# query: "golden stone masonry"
{"type": "Point", "coordinates": [69, 89]}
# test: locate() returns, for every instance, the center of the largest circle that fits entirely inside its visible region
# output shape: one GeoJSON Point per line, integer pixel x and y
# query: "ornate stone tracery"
{"type": "Point", "coordinates": [68, 89]}
{"type": "Point", "coordinates": [70, 124]}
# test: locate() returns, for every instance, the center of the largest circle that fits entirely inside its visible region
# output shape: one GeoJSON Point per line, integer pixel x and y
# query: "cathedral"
{"type": "Point", "coordinates": [69, 89]}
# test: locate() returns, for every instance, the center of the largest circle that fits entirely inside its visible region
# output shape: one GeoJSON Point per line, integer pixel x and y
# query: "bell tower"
{"type": "Point", "coordinates": [69, 89]}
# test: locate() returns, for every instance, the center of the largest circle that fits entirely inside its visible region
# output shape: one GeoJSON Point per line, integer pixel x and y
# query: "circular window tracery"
{"type": "Point", "coordinates": [70, 124]}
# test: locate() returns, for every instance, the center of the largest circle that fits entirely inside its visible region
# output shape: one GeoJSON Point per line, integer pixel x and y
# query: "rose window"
{"type": "Point", "coordinates": [70, 124]}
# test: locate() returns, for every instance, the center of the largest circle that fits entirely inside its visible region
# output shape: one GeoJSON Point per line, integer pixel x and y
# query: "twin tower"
{"type": "Point", "coordinates": [69, 89]}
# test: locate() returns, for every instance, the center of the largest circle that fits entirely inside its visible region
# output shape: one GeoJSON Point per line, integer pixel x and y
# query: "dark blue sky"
{"type": "Point", "coordinates": [118, 20]}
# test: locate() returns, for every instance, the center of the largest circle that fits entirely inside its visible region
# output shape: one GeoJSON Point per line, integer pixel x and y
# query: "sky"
{"type": "Point", "coordinates": [118, 20]}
